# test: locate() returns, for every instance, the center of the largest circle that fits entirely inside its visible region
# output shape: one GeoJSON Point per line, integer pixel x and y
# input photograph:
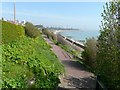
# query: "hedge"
{"type": "Point", "coordinates": [11, 32]}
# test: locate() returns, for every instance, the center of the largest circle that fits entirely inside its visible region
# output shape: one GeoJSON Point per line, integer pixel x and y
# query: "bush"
{"type": "Point", "coordinates": [50, 34]}
{"type": "Point", "coordinates": [11, 32]}
{"type": "Point", "coordinates": [89, 53]}
{"type": "Point", "coordinates": [31, 30]}
{"type": "Point", "coordinates": [30, 59]}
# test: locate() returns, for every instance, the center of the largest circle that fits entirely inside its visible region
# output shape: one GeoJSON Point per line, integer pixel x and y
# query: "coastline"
{"type": "Point", "coordinates": [81, 35]}
{"type": "Point", "coordinates": [72, 41]}
{"type": "Point", "coordinates": [79, 43]}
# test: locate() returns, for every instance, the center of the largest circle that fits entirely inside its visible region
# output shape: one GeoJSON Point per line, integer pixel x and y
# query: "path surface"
{"type": "Point", "coordinates": [76, 74]}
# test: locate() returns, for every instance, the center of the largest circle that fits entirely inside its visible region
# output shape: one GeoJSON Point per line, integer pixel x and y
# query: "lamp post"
{"type": "Point", "coordinates": [14, 13]}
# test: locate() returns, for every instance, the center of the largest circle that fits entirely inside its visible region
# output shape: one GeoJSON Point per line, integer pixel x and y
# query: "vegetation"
{"type": "Point", "coordinates": [108, 56]}
{"type": "Point", "coordinates": [29, 63]}
{"type": "Point", "coordinates": [69, 50]}
{"type": "Point", "coordinates": [49, 34]}
{"type": "Point", "coordinates": [54, 38]}
{"type": "Point", "coordinates": [106, 62]}
{"type": "Point", "coordinates": [31, 30]}
{"type": "Point", "coordinates": [11, 32]}
{"type": "Point", "coordinates": [90, 51]}
{"type": "Point", "coordinates": [0, 66]}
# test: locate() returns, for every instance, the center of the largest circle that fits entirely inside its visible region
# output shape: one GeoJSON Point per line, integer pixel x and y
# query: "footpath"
{"type": "Point", "coordinates": [76, 76]}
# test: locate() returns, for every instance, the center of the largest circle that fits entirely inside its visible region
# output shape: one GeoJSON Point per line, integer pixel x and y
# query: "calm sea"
{"type": "Point", "coordinates": [80, 35]}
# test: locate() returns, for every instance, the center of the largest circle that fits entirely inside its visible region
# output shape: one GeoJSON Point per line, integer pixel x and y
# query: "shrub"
{"type": "Point", "coordinates": [11, 32]}
{"type": "Point", "coordinates": [49, 34]}
{"type": "Point", "coordinates": [31, 30]}
{"type": "Point", "coordinates": [90, 51]}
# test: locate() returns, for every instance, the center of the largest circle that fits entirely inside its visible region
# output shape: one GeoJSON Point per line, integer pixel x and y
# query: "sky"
{"type": "Point", "coordinates": [81, 15]}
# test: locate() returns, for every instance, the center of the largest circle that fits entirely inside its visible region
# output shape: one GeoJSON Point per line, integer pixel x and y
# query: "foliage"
{"type": "Point", "coordinates": [0, 66]}
{"type": "Point", "coordinates": [11, 32]}
{"type": "Point", "coordinates": [31, 30]}
{"type": "Point", "coordinates": [90, 51]}
{"type": "Point", "coordinates": [28, 62]}
{"type": "Point", "coordinates": [108, 56]}
{"type": "Point", "coordinates": [69, 49]}
{"type": "Point", "coordinates": [26, 59]}
{"type": "Point", "coordinates": [49, 34]}
{"type": "Point", "coordinates": [15, 75]}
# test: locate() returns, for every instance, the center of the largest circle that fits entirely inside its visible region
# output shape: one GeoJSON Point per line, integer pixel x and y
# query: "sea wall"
{"type": "Point", "coordinates": [64, 40]}
{"type": "Point", "coordinates": [69, 42]}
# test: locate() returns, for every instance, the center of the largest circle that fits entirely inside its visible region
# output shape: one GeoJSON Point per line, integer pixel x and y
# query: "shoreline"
{"type": "Point", "coordinates": [80, 35]}
{"type": "Point", "coordinates": [72, 41]}
{"type": "Point", "coordinates": [64, 40]}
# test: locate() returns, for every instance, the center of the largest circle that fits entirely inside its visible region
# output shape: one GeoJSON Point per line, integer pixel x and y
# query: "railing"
{"type": "Point", "coordinates": [72, 41]}
{"type": "Point", "coordinates": [99, 85]}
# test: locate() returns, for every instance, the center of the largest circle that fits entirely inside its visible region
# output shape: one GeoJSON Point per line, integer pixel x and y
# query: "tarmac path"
{"type": "Point", "coordinates": [77, 76]}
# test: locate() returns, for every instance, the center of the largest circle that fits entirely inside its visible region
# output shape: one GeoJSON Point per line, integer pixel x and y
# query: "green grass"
{"type": "Point", "coordinates": [69, 50]}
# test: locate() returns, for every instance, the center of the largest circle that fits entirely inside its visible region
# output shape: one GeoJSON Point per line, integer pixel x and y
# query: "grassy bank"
{"type": "Point", "coordinates": [28, 62]}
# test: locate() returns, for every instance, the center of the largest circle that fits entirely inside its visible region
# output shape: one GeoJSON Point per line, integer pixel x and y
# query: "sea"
{"type": "Point", "coordinates": [80, 34]}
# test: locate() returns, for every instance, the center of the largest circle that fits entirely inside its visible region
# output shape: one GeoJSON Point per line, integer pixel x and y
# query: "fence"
{"type": "Point", "coordinates": [99, 85]}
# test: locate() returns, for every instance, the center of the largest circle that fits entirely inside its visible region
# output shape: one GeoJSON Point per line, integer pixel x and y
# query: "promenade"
{"type": "Point", "coordinates": [76, 75]}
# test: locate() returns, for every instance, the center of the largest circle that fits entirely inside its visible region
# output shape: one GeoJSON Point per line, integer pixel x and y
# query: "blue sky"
{"type": "Point", "coordinates": [82, 15]}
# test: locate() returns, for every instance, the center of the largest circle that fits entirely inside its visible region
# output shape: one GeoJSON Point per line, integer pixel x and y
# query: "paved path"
{"type": "Point", "coordinates": [76, 75]}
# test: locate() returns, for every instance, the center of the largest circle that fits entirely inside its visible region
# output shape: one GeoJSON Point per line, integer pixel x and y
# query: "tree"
{"type": "Point", "coordinates": [108, 55]}
{"type": "Point", "coordinates": [2, 19]}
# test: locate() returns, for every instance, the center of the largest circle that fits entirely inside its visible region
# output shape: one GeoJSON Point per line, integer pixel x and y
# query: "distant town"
{"type": "Point", "coordinates": [59, 28]}
{"type": "Point", "coordinates": [55, 28]}
{"type": "Point", "coordinates": [17, 22]}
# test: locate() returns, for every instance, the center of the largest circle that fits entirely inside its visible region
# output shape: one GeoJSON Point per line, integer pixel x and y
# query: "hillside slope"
{"type": "Point", "coordinates": [28, 62]}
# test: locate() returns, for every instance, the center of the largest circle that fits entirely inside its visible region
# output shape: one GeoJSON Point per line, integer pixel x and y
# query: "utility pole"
{"type": "Point", "coordinates": [14, 13]}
